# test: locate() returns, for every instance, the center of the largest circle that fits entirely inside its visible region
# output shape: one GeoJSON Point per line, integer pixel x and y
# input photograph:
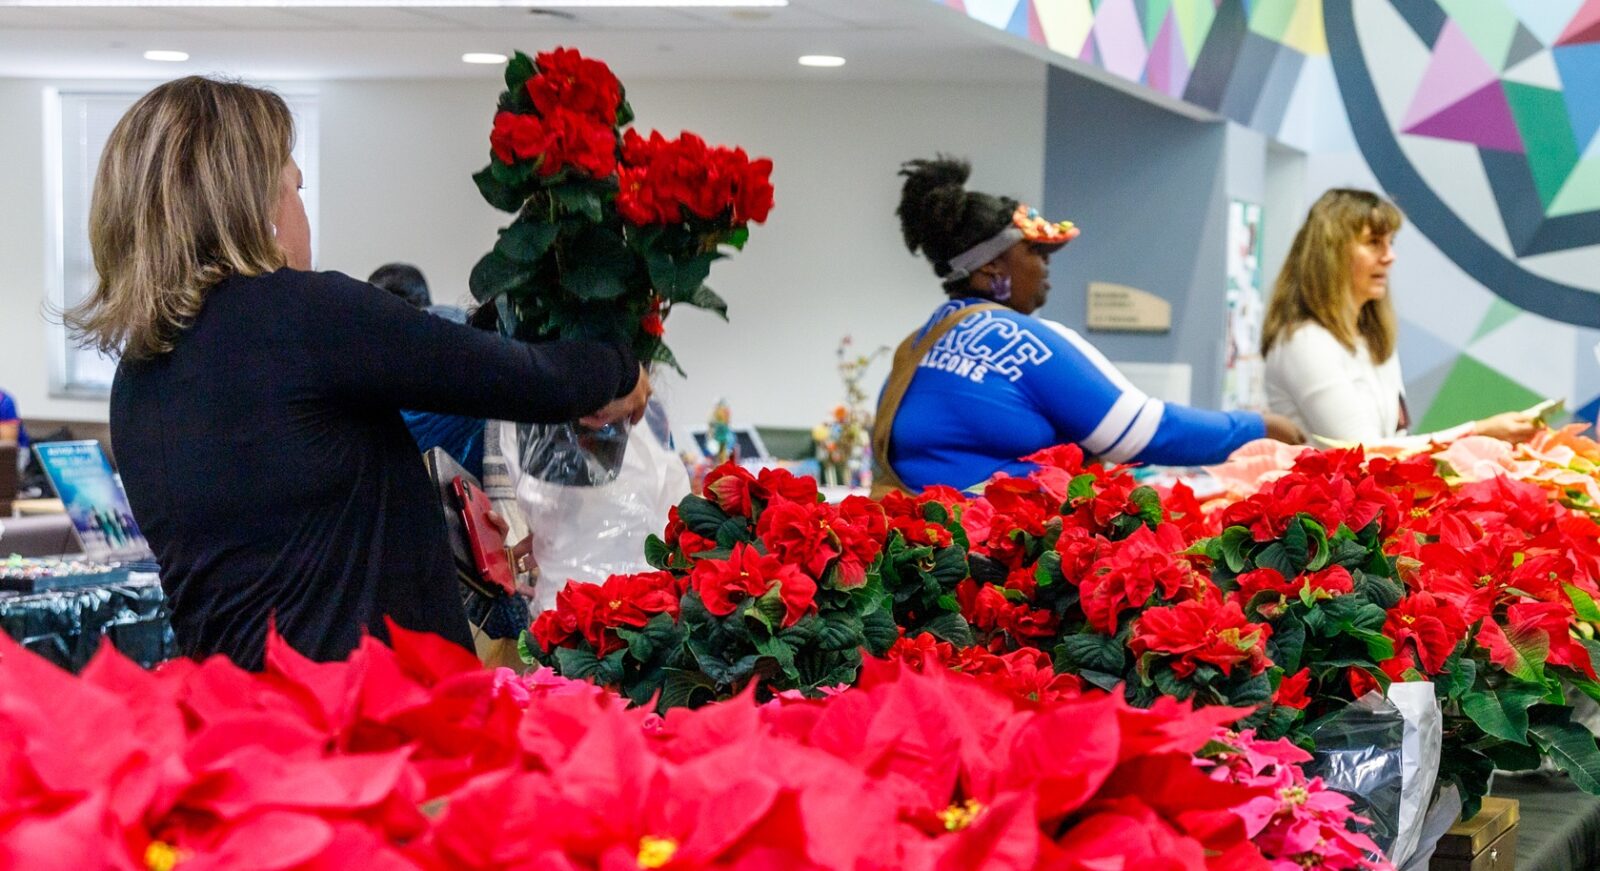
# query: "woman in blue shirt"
{"type": "Point", "coordinates": [984, 382]}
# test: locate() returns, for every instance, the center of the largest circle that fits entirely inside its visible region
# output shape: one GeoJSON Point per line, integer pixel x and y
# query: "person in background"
{"type": "Point", "coordinates": [1330, 336]}
{"type": "Point", "coordinates": [255, 409]}
{"type": "Point", "coordinates": [11, 429]}
{"type": "Point", "coordinates": [985, 381]}
{"type": "Point", "coordinates": [403, 280]}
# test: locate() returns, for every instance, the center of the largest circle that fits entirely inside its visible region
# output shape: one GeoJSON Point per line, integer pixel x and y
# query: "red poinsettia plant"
{"type": "Point", "coordinates": [761, 584]}
{"type": "Point", "coordinates": [613, 228]}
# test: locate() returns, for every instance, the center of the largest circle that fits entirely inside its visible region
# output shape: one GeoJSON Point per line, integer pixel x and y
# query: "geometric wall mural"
{"type": "Point", "coordinates": [1238, 58]}
{"type": "Point", "coordinates": [1482, 119]}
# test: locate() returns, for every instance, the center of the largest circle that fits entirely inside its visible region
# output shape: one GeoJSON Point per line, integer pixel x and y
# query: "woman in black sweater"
{"type": "Point", "coordinates": [256, 409]}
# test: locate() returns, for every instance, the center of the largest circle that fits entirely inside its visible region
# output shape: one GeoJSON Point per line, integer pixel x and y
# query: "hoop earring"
{"type": "Point", "coordinates": [1000, 287]}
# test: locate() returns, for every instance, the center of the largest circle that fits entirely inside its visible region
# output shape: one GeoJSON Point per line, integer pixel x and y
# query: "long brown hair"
{"type": "Point", "coordinates": [184, 197]}
{"type": "Point", "coordinates": [1314, 284]}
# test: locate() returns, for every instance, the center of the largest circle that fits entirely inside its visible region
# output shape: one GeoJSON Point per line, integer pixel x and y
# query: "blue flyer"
{"type": "Point", "coordinates": [94, 499]}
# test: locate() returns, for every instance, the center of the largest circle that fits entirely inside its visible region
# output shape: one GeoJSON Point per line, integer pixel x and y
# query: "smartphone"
{"type": "Point", "coordinates": [488, 543]}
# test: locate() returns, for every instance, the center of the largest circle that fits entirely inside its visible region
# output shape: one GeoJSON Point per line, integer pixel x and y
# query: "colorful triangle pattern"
{"type": "Point", "coordinates": [1584, 27]}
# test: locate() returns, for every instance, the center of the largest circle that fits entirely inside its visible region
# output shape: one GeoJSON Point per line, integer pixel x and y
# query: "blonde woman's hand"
{"type": "Point", "coordinates": [629, 408]}
{"type": "Point", "coordinates": [1512, 426]}
{"type": "Point", "coordinates": [1283, 429]}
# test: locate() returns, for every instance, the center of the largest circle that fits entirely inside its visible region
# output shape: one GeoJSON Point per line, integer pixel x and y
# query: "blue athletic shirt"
{"type": "Point", "coordinates": [1001, 385]}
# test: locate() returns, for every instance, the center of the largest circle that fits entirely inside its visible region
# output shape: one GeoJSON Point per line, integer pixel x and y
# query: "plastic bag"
{"type": "Point", "coordinates": [590, 532]}
{"type": "Point", "coordinates": [1424, 733]}
{"type": "Point", "coordinates": [1359, 750]}
{"type": "Point", "coordinates": [573, 454]}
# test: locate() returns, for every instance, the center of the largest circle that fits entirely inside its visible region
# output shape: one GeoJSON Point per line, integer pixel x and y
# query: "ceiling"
{"type": "Point", "coordinates": [883, 40]}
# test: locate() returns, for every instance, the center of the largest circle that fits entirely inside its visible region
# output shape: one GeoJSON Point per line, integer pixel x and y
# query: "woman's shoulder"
{"type": "Point", "coordinates": [1308, 338]}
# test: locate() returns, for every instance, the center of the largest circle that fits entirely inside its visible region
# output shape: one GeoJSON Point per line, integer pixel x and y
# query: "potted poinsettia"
{"type": "Point", "coordinates": [612, 230]}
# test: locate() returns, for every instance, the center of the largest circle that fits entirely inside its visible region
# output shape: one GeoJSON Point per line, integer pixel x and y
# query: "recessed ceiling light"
{"type": "Point", "coordinates": [483, 57]}
{"type": "Point", "coordinates": [821, 60]}
{"type": "Point", "coordinates": [169, 56]}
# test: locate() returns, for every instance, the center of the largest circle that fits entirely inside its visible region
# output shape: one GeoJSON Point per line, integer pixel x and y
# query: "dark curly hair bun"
{"type": "Point", "coordinates": [939, 217]}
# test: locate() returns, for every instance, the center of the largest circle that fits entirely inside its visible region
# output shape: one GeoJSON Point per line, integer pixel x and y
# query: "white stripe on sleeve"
{"type": "Point", "coordinates": [1115, 423]}
{"type": "Point", "coordinates": [1139, 434]}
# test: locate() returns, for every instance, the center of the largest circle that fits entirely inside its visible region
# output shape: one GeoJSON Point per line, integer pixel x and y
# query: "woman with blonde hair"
{"type": "Point", "coordinates": [255, 410]}
{"type": "Point", "coordinates": [1330, 333]}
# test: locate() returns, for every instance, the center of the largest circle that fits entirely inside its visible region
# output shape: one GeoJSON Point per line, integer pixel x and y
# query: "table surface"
{"type": "Point", "coordinates": [1560, 826]}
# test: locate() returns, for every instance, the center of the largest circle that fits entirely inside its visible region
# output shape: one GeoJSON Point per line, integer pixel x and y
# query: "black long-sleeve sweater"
{"type": "Point", "coordinates": [267, 463]}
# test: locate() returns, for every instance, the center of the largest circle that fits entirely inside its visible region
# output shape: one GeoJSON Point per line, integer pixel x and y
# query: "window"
{"type": "Point", "coordinates": [77, 126]}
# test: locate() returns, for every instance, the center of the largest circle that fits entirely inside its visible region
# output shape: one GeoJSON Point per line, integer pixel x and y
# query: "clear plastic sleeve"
{"type": "Point", "coordinates": [586, 526]}
{"type": "Point", "coordinates": [1359, 753]}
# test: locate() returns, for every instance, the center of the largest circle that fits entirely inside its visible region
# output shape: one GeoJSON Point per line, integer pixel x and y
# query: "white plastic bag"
{"type": "Point", "coordinates": [1419, 761]}
{"type": "Point", "coordinates": [588, 533]}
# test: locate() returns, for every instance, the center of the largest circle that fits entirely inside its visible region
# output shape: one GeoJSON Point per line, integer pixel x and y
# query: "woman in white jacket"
{"type": "Point", "coordinates": [1330, 332]}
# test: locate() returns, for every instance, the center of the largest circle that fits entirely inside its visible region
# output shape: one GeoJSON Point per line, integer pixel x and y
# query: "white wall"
{"type": "Point", "coordinates": [396, 158]}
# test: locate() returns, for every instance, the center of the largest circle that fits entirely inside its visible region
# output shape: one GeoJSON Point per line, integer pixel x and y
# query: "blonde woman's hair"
{"type": "Point", "coordinates": [185, 197]}
{"type": "Point", "coordinates": [1314, 284]}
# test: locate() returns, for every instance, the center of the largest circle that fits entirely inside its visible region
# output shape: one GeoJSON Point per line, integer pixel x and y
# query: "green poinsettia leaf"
{"type": "Point", "coordinates": [1380, 591]}
{"type": "Point", "coordinates": [1169, 684]}
{"type": "Point", "coordinates": [576, 664]}
{"type": "Point", "coordinates": [1287, 643]}
{"type": "Point", "coordinates": [1502, 712]}
{"type": "Point", "coordinates": [733, 531]}
{"type": "Point", "coordinates": [1256, 690]}
{"type": "Point", "coordinates": [731, 673]}
{"type": "Point", "coordinates": [1509, 756]}
{"type": "Point", "coordinates": [706, 298]}
{"type": "Point", "coordinates": [1297, 546]}
{"type": "Point", "coordinates": [656, 552]}
{"type": "Point", "coordinates": [1081, 487]}
{"type": "Point", "coordinates": [1530, 647]}
{"type": "Point", "coordinates": [950, 627]}
{"type": "Point", "coordinates": [525, 242]}
{"type": "Point", "coordinates": [1091, 652]}
{"type": "Point", "coordinates": [879, 630]}
{"type": "Point", "coordinates": [503, 196]}
{"type": "Point", "coordinates": [580, 199]}
{"type": "Point", "coordinates": [526, 648]}
{"type": "Point", "coordinates": [1276, 556]}
{"type": "Point", "coordinates": [1572, 748]}
{"type": "Point", "coordinates": [1379, 646]}
{"type": "Point", "coordinates": [840, 630]}
{"type": "Point", "coordinates": [701, 516]}
{"type": "Point", "coordinates": [1349, 553]}
{"type": "Point", "coordinates": [1583, 604]}
{"type": "Point", "coordinates": [518, 71]}
{"type": "Point", "coordinates": [780, 652]}
{"type": "Point", "coordinates": [679, 279]}
{"type": "Point", "coordinates": [1047, 571]}
{"type": "Point", "coordinates": [1317, 540]}
{"type": "Point", "coordinates": [686, 689]}
{"type": "Point", "coordinates": [1149, 502]}
{"type": "Point", "coordinates": [494, 276]}
{"type": "Point", "coordinates": [1460, 677]}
